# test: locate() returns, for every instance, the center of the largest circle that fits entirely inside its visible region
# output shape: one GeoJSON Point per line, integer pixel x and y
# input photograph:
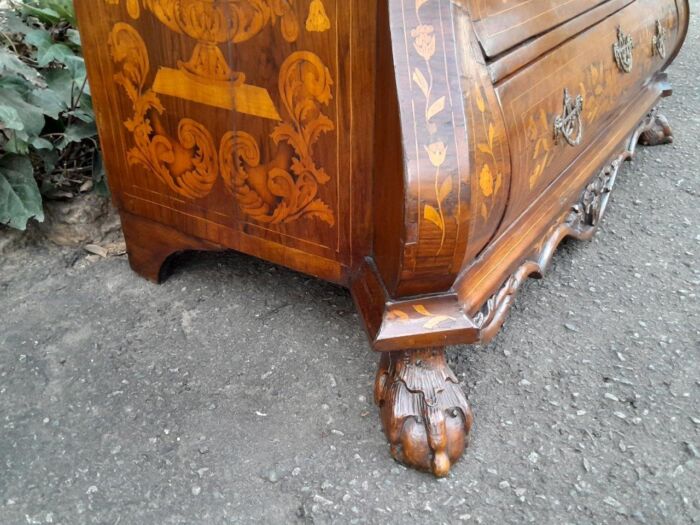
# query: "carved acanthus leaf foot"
{"type": "Point", "coordinates": [424, 412]}
{"type": "Point", "coordinates": [660, 132]}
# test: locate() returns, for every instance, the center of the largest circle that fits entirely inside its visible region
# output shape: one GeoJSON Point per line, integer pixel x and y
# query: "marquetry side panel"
{"type": "Point", "coordinates": [234, 120]}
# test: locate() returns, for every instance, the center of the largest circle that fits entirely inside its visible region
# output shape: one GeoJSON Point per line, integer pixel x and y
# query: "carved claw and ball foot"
{"type": "Point", "coordinates": [424, 412]}
{"type": "Point", "coordinates": [659, 131]}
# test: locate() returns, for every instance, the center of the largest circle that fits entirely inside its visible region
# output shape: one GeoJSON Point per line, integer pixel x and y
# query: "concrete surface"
{"type": "Point", "coordinates": [241, 392]}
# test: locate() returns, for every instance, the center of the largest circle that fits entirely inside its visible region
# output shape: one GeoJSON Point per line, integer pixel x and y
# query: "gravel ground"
{"type": "Point", "coordinates": [239, 391]}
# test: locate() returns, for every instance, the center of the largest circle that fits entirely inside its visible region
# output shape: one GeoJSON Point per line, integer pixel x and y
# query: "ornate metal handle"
{"type": "Point", "coordinates": [622, 49]}
{"type": "Point", "coordinates": [569, 124]}
{"type": "Point", "coordinates": [658, 41]}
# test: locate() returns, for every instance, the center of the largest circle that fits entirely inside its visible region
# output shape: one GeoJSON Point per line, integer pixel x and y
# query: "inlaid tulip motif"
{"type": "Point", "coordinates": [424, 42]}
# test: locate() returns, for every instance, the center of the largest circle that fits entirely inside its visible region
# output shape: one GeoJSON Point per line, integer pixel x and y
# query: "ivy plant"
{"type": "Point", "coordinates": [48, 138]}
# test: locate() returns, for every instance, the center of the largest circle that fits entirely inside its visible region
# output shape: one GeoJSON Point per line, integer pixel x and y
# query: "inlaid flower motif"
{"type": "Point", "coordinates": [437, 152]}
{"type": "Point", "coordinates": [318, 20]}
{"type": "Point", "coordinates": [424, 40]}
{"type": "Point", "coordinates": [486, 181]}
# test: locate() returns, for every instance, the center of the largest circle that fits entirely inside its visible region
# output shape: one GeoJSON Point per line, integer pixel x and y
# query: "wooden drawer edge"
{"type": "Point", "coordinates": [528, 52]}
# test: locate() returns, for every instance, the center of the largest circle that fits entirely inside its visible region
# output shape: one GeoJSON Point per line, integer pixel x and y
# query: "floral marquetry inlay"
{"type": "Point", "coordinates": [424, 43]}
{"type": "Point", "coordinates": [188, 164]}
{"type": "Point", "coordinates": [206, 77]}
{"type": "Point", "coordinates": [272, 194]}
{"type": "Point", "coordinates": [318, 21]}
{"type": "Point", "coordinates": [277, 190]}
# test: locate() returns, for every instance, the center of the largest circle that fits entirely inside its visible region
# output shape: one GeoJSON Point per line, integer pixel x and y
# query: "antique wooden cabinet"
{"type": "Point", "coordinates": [427, 154]}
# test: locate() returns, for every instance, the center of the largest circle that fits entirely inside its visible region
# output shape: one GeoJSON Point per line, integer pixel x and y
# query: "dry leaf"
{"type": "Point", "coordinates": [95, 249]}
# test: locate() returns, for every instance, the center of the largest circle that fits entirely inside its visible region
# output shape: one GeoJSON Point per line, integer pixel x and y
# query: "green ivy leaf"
{"type": "Point", "coordinates": [32, 117]}
{"type": "Point", "coordinates": [60, 53]}
{"type": "Point", "coordinates": [11, 65]}
{"type": "Point", "coordinates": [77, 132]}
{"type": "Point", "coordinates": [10, 119]}
{"type": "Point", "coordinates": [50, 102]}
{"type": "Point", "coordinates": [12, 24]}
{"type": "Point", "coordinates": [20, 199]}
{"type": "Point", "coordinates": [74, 37]}
{"type": "Point", "coordinates": [40, 143]}
{"type": "Point", "coordinates": [39, 38]}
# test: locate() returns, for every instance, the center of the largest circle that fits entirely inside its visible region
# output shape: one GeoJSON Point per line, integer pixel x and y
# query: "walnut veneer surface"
{"type": "Point", "coordinates": [428, 154]}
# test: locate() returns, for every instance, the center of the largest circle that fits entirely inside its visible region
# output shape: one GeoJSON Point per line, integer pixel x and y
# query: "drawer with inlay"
{"type": "Point", "coordinates": [556, 107]}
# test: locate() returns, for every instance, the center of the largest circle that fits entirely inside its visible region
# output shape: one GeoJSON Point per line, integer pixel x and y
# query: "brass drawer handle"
{"type": "Point", "coordinates": [658, 41]}
{"type": "Point", "coordinates": [622, 49]}
{"type": "Point", "coordinates": [569, 123]}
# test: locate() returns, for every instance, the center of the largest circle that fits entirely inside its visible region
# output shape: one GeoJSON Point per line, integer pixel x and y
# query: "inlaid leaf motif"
{"type": "Point", "coordinates": [432, 215]}
{"type": "Point", "coordinates": [436, 107]}
{"type": "Point", "coordinates": [480, 101]}
{"type": "Point", "coordinates": [437, 321]}
{"type": "Point", "coordinates": [445, 189]}
{"type": "Point", "coordinates": [420, 80]}
{"type": "Point", "coordinates": [398, 314]}
{"type": "Point", "coordinates": [485, 149]}
{"type": "Point", "coordinates": [420, 3]}
{"type": "Point", "coordinates": [422, 310]}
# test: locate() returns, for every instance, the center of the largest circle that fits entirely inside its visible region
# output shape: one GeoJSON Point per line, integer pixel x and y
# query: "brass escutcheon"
{"type": "Point", "coordinates": [569, 124]}
{"type": "Point", "coordinates": [658, 41]}
{"type": "Point", "coordinates": [622, 50]}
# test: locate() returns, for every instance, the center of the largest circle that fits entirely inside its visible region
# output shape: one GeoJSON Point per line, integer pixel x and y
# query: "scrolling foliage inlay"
{"type": "Point", "coordinates": [272, 193]}
{"type": "Point", "coordinates": [206, 77]}
{"type": "Point", "coordinates": [187, 165]}
{"type": "Point", "coordinates": [283, 190]}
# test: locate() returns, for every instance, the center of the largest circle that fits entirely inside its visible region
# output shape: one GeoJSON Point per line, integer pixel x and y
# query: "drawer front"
{"type": "Point", "coordinates": [502, 25]}
{"type": "Point", "coordinates": [557, 107]}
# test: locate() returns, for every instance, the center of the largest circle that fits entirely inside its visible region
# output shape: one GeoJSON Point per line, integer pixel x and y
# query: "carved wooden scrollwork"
{"type": "Point", "coordinates": [188, 164]}
{"type": "Point", "coordinates": [286, 188]}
